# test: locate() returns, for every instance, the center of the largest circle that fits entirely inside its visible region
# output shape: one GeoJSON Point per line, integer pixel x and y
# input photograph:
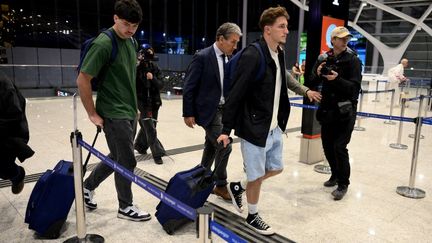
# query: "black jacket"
{"type": "Point", "coordinates": [14, 131]}
{"type": "Point", "coordinates": [202, 88]}
{"type": "Point", "coordinates": [249, 107]}
{"type": "Point", "coordinates": [144, 86]}
{"type": "Point", "coordinates": [347, 84]}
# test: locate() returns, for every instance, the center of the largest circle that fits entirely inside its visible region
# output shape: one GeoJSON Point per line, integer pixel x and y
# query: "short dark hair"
{"type": "Point", "coordinates": [269, 16]}
{"type": "Point", "coordinates": [129, 10]}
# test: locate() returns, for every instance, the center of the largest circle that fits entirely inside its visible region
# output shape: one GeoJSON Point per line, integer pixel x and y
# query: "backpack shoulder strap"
{"type": "Point", "coordinates": [134, 43]}
{"type": "Point", "coordinates": [262, 62]}
{"type": "Point", "coordinates": [114, 44]}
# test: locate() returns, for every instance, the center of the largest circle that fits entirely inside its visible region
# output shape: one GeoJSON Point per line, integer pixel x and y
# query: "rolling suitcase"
{"type": "Point", "coordinates": [192, 187]}
{"type": "Point", "coordinates": [51, 200]}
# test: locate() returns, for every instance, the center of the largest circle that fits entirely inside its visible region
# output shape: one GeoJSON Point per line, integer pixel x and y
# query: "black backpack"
{"type": "Point", "coordinates": [231, 67]}
{"type": "Point", "coordinates": [85, 47]}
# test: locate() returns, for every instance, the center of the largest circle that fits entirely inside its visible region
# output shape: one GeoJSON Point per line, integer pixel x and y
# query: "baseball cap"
{"type": "Point", "coordinates": [340, 32]}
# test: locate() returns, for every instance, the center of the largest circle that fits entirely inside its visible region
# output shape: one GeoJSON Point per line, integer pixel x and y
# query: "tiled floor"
{"type": "Point", "coordinates": [294, 203]}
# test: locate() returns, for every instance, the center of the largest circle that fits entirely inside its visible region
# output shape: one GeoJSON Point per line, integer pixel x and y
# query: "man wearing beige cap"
{"type": "Point", "coordinates": [339, 72]}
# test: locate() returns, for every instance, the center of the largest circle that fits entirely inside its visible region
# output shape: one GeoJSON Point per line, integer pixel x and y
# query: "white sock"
{"type": "Point", "coordinates": [252, 208]}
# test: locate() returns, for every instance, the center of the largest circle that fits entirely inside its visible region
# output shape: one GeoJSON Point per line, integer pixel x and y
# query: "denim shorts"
{"type": "Point", "coordinates": [257, 160]}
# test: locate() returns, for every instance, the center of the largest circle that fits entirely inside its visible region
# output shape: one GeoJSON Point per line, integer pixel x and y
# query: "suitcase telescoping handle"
{"type": "Point", "coordinates": [98, 130]}
{"type": "Point", "coordinates": [204, 176]}
{"type": "Point", "coordinates": [220, 147]}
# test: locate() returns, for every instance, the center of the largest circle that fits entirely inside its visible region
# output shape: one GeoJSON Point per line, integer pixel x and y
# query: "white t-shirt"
{"type": "Point", "coordinates": [274, 121]}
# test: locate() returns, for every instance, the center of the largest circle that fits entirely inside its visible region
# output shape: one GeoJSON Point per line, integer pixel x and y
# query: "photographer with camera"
{"type": "Point", "coordinates": [148, 84]}
{"type": "Point", "coordinates": [339, 72]}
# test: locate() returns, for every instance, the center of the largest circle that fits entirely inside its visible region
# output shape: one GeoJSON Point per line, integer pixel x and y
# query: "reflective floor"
{"type": "Point", "coordinates": [294, 203]}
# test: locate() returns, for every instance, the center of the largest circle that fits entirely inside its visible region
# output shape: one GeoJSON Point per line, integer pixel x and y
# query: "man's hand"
{"type": "Point", "coordinates": [314, 96]}
{"type": "Point", "coordinates": [149, 76]}
{"type": "Point", "coordinates": [190, 121]}
{"type": "Point", "coordinates": [97, 120]}
{"type": "Point", "coordinates": [319, 68]}
{"type": "Point", "coordinates": [331, 76]}
{"type": "Point", "coordinates": [225, 139]}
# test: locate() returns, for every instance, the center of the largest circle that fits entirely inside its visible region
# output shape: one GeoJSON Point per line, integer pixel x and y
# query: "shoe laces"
{"type": "Point", "coordinates": [89, 195]}
{"type": "Point", "coordinates": [134, 209]}
{"type": "Point", "coordinates": [260, 222]}
{"type": "Point", "coordinates": [238, 199]}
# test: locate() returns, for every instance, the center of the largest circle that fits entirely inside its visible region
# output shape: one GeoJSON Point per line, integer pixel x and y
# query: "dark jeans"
{"type": "Point", "coordinates": [119, 135]}
{"type": "Point", "coordinates": [335, 138]}
{"type": "Point", "coordinates": [213, 130]}
{"type": "Point", "coordinates": [143, 141]}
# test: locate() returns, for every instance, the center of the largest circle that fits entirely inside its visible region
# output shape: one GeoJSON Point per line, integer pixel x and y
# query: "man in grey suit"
{"type": "Point", "coordinates": [203, 99]}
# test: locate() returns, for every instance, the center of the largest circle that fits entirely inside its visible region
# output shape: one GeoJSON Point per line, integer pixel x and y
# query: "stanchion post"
{"type": "Point", "coordinates": [419, 114]}
{"type": "Point", "coordinates": [417, 88]}
{"type": "Point", "coordinates": [391, 108]}
{"type": "Point", "coordinates": [376, 94]}
{"type": "Point", "coordinates": [79, 199]}
{"type": "Point", "coordinates": [429, 100]}
{"type": "Point", "coordinates": [410, 191]}
{"type": "Point", "coordinates": [323, 168]}
{"type": "Point", "coordinates": [78, 185]}
{"type": "Point", "coordinates": [359, 127]}
{"type": "Point", "coordinates": [204, 216]}
{"type": "Point", "coordinates": [398, 145]}
{"type": "Point", "coordinates": [426, 106]}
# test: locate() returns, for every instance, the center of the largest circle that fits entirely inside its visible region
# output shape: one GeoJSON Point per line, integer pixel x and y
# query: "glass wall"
{"type": "Point", "coordinates": [173, 27]}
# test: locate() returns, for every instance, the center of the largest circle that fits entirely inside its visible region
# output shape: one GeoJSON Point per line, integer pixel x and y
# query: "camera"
{"type": "Point", "coordinates": [147, 54]}
{"type": "Point", "coordinates": [330, 63]}
{"type": "Point", "coordinates": [329, 66]}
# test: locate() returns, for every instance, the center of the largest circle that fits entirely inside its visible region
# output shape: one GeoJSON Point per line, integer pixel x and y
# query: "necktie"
{"type": "Point", "coordinates": [225, 84]}
{"type": "Point", "coordinates": [223, 60]}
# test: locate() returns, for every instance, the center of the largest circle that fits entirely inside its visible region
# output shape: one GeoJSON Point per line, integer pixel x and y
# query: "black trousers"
{"type": "Point", "coordinates": [211, 153]}
{"type": "Point", "coordinates": [119, 136]}
{"type": "Point", "coordinates": [8, 167]}
{"type": "Point", "coordinates": [335, 137]}
{"type": "Point", "coordinates": [144, 141]}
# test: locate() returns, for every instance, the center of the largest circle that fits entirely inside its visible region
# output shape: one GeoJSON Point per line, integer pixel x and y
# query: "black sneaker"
{"type": "Point", "coordinates": [255, 222]}
{"type": "Point", "coordinates": [236, 191]}
{"type": "Point", "coordinates": [133, 213]}
{"type": "Point", "coordinates": [18, 182]}
{"type": "Point", "coordinates": [88, 199]}
{"type": "Point", "coordinates": [339, 193]}
{"type": "Point", "coordinates": [331, 182]}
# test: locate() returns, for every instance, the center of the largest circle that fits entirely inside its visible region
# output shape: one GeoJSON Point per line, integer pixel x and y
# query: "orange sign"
{"type": "Point", "coordinates": [328, 24]}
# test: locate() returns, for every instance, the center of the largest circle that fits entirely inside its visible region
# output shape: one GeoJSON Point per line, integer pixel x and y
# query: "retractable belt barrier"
{"type": "Point", "coordinates": [410, 190]}
{"type": "Point", "coordinates": [225, 234]}
{"type": "Point", "coordinates": [426, 121]}
{"type": "Point", "coordinates": [184, 209]}
{"type": "Point", "coordinates": [174, 203]}
{"type": "Point", "coordinates": [376, 91]}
